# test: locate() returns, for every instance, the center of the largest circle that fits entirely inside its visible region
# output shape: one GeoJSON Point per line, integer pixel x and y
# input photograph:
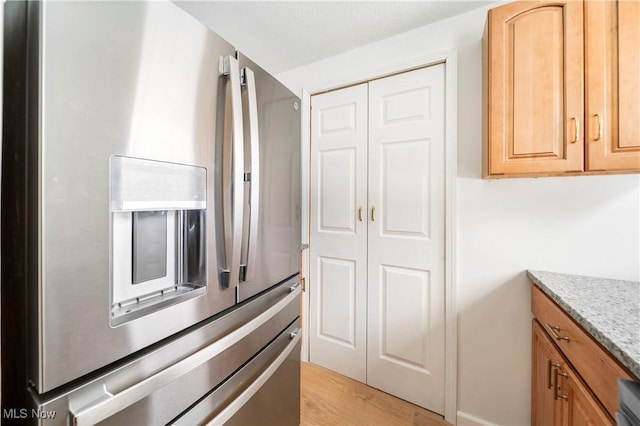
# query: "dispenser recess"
{"type": "Point", "coordinates": [158, 235]}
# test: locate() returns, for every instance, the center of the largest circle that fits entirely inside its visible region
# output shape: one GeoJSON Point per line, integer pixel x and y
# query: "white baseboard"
{"type": "Point", "coordinates": [465, 419]}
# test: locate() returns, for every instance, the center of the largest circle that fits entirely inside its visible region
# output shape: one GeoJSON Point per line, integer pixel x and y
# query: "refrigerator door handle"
{"type": "Point", "coordinates": [109, 404]}
{"type": "Point", "coordinates": [233, 211]}
{"type": "Point", "coordinates": [253, 176]}
{"type": "Point", "coordinates": [255, 386]}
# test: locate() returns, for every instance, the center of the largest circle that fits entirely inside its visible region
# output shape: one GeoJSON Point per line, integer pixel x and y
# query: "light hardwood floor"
{"type": "Point", "coordinates": [328, 398]}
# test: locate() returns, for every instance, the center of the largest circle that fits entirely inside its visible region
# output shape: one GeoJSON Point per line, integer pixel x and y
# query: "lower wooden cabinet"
{"type": "Point", "coordinates": [559, 396]}
{"type": "Point", "coordinates": [545, 407]}
{"type": "Point", "coordinates": [579, 407]}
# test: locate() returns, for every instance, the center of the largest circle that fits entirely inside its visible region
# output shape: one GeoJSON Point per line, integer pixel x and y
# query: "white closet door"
{"type": "Point", "coordinates": [406, 326]}
{"type": "Point", "coordinates": [338, 240]}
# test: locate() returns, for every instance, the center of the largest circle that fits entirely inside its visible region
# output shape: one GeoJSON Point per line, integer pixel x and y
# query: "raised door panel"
{"type": "Point", "coordinates": [613, 85]}
{"type": "Point", "coordinates": [406, 237]}
{"type": "Point", "coordinates": [404, 165]}
{"type": "Point", "coordinates": [535, 86]}
{"type": "Point", "coordinates": [337, 304]}
{"type": "Point", "coordinates": [337, 191]}
{"type": "Point", "coordinates": [338, 234]}
{"type": "Point", "coordinates": [405, 297]}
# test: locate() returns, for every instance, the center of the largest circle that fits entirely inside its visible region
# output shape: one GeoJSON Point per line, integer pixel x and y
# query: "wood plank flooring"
{"type": "Point", "coordinates": [328, 398]}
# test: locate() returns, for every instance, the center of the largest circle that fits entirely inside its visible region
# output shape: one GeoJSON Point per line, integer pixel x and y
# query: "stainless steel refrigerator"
{"type": "Point", "coordinates": [150, 222]}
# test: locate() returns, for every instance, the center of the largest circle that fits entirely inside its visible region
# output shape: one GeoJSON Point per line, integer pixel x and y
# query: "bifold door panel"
{"type": "Point", "coordinates": [339, 231]}
{"type": "Point", "coordinates": [377, 234]}
{"type": "Point", "coordinates": [405, 328]}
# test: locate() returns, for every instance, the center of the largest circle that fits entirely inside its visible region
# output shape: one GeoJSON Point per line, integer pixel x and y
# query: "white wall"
{"type": "Point", "coordinates": [584, 225]}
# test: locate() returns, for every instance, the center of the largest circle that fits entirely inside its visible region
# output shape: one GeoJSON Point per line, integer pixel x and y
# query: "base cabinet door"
{"type": "Point", "coordinates": [559, 396]}
{"type": "Point", "coordinates": [579, 406]}
{"type": "Point", "coordinates": [545, 408]}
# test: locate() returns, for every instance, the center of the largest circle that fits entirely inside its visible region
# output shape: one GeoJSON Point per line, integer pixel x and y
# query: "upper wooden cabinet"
{"type": "Point", "coordinates": [554, 83]}
{"type": "Point", "coordinates": [612, 73]}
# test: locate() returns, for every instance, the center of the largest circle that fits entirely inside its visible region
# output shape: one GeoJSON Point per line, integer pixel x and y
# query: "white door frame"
{"type": "Point", "coordinates": [450, 59]}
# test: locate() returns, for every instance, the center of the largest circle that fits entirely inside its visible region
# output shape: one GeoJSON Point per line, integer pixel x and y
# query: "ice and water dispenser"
{"type": "Point", "coordinates": [158, 235]}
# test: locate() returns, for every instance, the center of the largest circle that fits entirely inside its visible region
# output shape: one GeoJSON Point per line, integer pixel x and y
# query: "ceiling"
{"type": "Point", "coordinates": [283, 35]}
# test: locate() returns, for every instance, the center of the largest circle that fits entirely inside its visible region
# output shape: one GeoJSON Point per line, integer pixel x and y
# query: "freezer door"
{"type": "Point", "coordinates": [162, 385]}
{"type": "Point", "coordinates": [272, 229]}
{"type": "Point", "coordinates": [138, 80]}
{"type": "Point", "coordinates": [265, 392]}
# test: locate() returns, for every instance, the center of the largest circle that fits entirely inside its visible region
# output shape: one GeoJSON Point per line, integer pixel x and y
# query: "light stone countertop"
{"type": "Point", "coordinates": [607, 309]}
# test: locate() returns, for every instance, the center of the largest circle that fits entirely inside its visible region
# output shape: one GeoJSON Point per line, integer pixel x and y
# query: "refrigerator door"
{"type": "Point", "coordinates": [271, 250]}
{"type": "Point", "coordinates": [136, 80]}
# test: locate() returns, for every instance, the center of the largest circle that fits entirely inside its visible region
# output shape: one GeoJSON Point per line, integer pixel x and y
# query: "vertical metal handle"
{"type": "Point", "coordinates": [600, 127]}
{"type": "Point", "coordinates": [253, 175]}
{"type": "Point", "coordinates": [373, 214]}
{"type": "Point", "coordinates": [234, 212]}
{"type": "Point", "coordinates": [360, 214]}
{"type": "Point", "coordinates": [556, 387]}
{"type": "Point", "coordinates": [577, 133]}
{"type": "Point", "coordinates": [550, 367]}
{"type": "Point", "coordinates": [555, 384]}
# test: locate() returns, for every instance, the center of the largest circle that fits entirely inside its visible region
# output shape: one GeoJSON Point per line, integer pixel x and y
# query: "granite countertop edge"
{"type": "Point", "coordinates": [610, 345]}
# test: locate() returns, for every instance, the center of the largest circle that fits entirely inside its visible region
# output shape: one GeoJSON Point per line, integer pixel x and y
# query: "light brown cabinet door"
{"type": "Point", "coordinates": [579, 406]}
{"type": "Point", "coordinates": [535, 88]}
{"type": "Point", "coordinates": [545, 409]}
{"type": "Point", "coordinates": [559, 397]}
{"type": "Point", "coordinates": [613, 84]}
